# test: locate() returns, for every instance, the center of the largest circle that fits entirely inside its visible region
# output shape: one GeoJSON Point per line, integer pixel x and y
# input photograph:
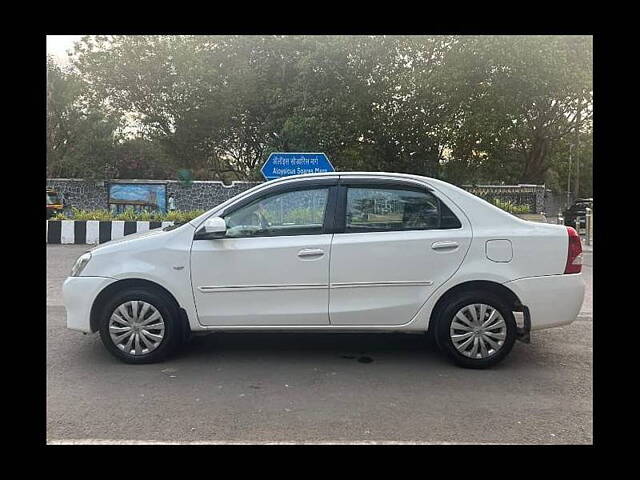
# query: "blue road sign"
{"type": "Point", "coordinates": [285, 164]}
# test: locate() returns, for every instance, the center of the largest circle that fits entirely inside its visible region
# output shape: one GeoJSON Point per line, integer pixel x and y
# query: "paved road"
{"type": "Point", "coordinates": [315, 387]}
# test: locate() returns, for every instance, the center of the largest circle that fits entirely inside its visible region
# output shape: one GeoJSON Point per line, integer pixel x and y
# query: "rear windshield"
{"type": "Point", "coordinates": [52, 198]}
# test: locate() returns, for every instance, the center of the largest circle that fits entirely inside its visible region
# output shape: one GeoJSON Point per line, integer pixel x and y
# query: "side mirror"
{"type": "Point", "coordinates": [214, 227]}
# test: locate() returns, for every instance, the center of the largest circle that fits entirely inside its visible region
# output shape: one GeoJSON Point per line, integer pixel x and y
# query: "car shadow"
{"type": "Point", "coordinates": [359, 347]}
{"type": "Point", "coordinates": [397, 349]}
{"type": "Point", "coordinates": [369, 349]}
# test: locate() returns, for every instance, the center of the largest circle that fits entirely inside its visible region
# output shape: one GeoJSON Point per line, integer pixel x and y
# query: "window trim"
{"type": "Point", "coordinates": [329, 212]}
{"type": "Point", "coordinates": [278, 188]}
{"type": "Point", "coordinates": [383, 184]}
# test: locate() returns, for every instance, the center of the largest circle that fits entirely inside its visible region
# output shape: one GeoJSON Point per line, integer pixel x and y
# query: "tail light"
{"type": "Point", "coordinates": [574, 256]}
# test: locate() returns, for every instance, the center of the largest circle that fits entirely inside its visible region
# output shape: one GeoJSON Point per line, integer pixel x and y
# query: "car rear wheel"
{"type": "Point", "coordinates": [476, 330]}
{"type": "Point", "coordinates": [140, 326]}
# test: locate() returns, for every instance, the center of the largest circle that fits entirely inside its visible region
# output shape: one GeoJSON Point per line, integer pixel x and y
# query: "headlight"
{"type": "Point", "coordinates": [80, 264]}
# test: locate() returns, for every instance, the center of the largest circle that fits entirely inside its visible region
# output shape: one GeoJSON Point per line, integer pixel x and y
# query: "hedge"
{"type": "Point", "coordinates": [129, 215]}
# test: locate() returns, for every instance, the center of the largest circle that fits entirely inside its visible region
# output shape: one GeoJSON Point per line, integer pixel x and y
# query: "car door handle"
{"type": "Point", "coordinates": [444, 245]}
{"type": "Point", "coordinates": [310, 252]}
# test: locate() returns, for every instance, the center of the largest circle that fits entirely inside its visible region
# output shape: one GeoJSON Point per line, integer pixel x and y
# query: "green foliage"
{"type": "Point", "coordinates": [559, 165]}
{"type": "Point", "coordinates": [185, 176]}
{"type": "Point", "coordinates": [521, 96]}
{"type": "Point", "coordinates": [141, 158]}
{"type": "Point", "coordinates": [470, 109]}
{"type": "Point", "coordinates": [59, 216]}
{"type": "Point", "coordinates": [80, 134]}
{"type": "Point", "coordinates": [77, 214]}
{"type": "Point", "coordinates": [128, 215]}
{"type": "Point", "coordinates": [176, 216]}
{"type": "Point", "coordinates": [510, 207]}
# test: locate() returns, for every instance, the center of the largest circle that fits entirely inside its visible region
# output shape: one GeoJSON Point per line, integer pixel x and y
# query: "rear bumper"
{"type": "Point", "coordinates": [78, 295]}
{"type": "Point", "coordinates": [553, 300]}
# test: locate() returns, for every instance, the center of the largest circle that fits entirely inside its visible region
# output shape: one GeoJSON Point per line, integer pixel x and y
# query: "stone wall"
{"type": "Point", "coordinates": [199, 195]}
{"type": "Point", "coordinates": [83, 194]}
{"type": "Point", "coordinates": [203, 195]}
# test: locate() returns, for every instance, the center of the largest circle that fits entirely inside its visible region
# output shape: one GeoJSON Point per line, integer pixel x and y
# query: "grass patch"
{"type": "Point", "coordinates": [176, 216]}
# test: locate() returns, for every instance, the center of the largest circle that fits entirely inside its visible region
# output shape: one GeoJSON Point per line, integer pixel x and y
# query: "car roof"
{"type": "Point", "coordinates": [429, 181]}
{"type": "Point", "coordinates": [333, 174]}
{"type": "Point", "coordinates": [407, 176]}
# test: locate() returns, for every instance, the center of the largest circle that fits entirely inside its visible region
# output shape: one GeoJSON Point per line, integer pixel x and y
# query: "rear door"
{"type": "Point", "coordinates": [396, 242]}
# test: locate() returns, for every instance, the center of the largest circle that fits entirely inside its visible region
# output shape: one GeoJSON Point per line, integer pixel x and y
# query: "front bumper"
{"type": "Point", "coordinates": [552, 300]}
{"type": "Point", "coordinates": [78, 295]}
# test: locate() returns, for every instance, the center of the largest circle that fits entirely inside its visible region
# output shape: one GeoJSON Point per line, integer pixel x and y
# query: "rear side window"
{"type": "Point", "coordinates": [392, 209]}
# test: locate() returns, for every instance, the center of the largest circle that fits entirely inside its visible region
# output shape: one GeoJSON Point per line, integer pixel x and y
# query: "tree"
{"type": "Point", "coordinates": [559, 160]}
{"type": "Point", "coordinates": [80, 137]}
{"type": "Point", "coordinates": [519, 97]}
{"type": "Point", "coordinates": [468, 109]}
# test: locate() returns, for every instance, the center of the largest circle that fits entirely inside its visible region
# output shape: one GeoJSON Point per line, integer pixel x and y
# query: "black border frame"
{"type": "Point", "coordinates": [604, 419]}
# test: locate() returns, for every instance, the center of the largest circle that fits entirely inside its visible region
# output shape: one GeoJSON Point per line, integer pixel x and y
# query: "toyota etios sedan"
{"type": "Point", "coordinates": [337, 252]}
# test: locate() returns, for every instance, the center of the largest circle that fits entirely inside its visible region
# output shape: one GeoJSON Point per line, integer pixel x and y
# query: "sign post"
{"type": "Point", "coordinates": [285, 164]}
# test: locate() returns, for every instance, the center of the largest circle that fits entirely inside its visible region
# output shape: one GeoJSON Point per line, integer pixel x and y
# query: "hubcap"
{"type": "Point", "coordinates": [136, 327]}
{"type": "Point", "coordinates": [478, 331]}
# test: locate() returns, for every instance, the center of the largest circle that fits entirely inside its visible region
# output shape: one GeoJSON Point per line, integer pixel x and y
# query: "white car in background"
{"type": "Point", "coordinates": [337, 252]}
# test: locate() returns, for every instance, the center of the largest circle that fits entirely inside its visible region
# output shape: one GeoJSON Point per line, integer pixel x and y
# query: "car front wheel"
{"type": "Point", "coordinates": [140, 326]}
{"type": "Point", "coordinates": [476, 330]}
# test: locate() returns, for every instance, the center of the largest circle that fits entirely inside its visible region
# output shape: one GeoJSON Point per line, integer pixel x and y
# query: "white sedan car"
{"type": "Point", "coordinates": [339, 252]}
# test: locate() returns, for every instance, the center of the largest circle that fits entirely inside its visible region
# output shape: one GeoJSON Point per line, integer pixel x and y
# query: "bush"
{"type": "Point", "coordinates": [510, 207]}
{"type": "Point", "coordinates": [128, 215]}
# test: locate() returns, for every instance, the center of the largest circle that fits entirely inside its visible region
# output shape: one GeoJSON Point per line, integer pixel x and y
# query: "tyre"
{"type": "Point", "coordinates": [476, 329]}
{"type": "Point", "coordinates": [140, 326]}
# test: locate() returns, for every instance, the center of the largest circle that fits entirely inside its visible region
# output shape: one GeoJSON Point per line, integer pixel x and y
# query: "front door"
{"type": "Point", "coordinates": [272, 268]}
{"type": "Point", "coordinates": [398, 245]}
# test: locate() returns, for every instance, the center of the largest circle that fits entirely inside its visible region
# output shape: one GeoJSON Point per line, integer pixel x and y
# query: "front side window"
{"type": "Point", "coordinates": [392, 209]}
{"type": "Point", "coordinates": [299, 212]}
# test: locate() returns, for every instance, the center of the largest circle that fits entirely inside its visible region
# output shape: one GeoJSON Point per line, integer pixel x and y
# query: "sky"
{"type": "Point", "coordinates": [57, 45]}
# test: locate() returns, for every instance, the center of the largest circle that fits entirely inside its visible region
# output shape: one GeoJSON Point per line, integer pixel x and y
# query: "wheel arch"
{"type": "Point", "coordinates": [130, 283]}
{"type": "Point", "coordinates": [503, 292]}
